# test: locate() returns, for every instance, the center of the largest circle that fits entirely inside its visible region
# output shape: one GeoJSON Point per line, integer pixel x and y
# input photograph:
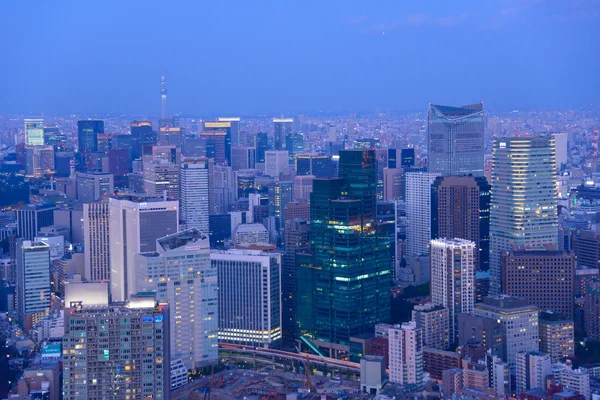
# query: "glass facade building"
{"type": "Point", "coordinates": [455, 139]}
{"type": "Point", "coordinates": [87, 135]}
{"type": "Point", "coordinates": [343, 287]}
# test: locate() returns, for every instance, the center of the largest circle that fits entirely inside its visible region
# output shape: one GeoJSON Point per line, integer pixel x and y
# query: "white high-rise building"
{"type": "Point", "coordinates": [561, 141]}
{"type": "Point", "coordinates": [518, 323]}
{"type": "Point", "coordinates": [194, 192]}
{"type": "Point", "coordinates": [524, 205]}
{"type": "Point", "coordinates": [96, 242]}
{"type": "Point", "coordinates": [434, 322]}
{"type": "Point", "coordinates": [180, 273]}
{"type": "Point", "coordinates": [418, 212]}
{"type": "Point", "coordinates": [249, 296]}
{"type": "Point", "coordinates": [453, 277]}
{"type": "Point", "coordinates": [34, 131]}
{"type": "Point", "coordinates": [33, 282]}
{"type": "Point", "coordinates": [405, 354]}
{"type": "Point", "coordinates": [532, 370]}
{"type": "Point", "coordinates": [277, 162]}
{"type": "Point", "coordinates": [136, 222]}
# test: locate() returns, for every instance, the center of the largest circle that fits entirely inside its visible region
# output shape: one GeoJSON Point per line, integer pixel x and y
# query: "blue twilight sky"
{"type": "Point", "coordinates": [287, 57]}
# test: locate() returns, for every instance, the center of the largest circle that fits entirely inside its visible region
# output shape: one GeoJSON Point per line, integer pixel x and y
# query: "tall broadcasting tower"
{"type": "Point", "coordinates": [163, 95]}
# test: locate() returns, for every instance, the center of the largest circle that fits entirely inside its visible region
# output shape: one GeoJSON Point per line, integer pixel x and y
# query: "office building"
{"type": "Point", "coordinates": [318, 165]}
{"type": "Point", "coordinates": [218, 140]}
{"type": "Point", "coordinates": [296, 209]}
{"type": "Point", "coordinates": [134, 363]}
{"type": "Point", "coordinates": [557, 337]}
{"type": "Point", "coordinates": [249, 297]}
{"type": "Point", "coordinates": [119, 162]}
{"type": "Point", "coordinates": [234, 126]}
{"type": "Point", "coordinates": [406, 354]}
{"type": "Point", "coordinates": [453, 278]}
{"type": "Point", "coordinates": [294, 144]}
{"type": "Point", "coordinates": [344, 285]}
{"type": "Point", "coordinates": [180, 274]}
{"type": "Point", "coordinates": [243, 158]}
{"type": "Point", "coordinates": [407, 158]}
{"type": "Point", "coordinates": [168, 153]}
{"type": "Point", "coordinates": [194, 197]}
{"type": "Point", "coordinates": [434, 322]}
{"type": "Point", "coordinates": [532, 370]}
{"type": "Point", "coordinates": [262, 145]}
{"type": "Point", "coordinates": [455, 139]}
{"type": "Point", "coordinates": [393, 184]}
{"type": "Point", "coordinates": [524, 210]}
{"type": "Point", "coordinates": [96, 243]}
{"type": "Point", "coordinates": [141, 135]}
{"type": "Point", "coordinates": [92, 186]}
{"type": "Point", "coordinates": [418, 211]}
{"type": "Point", "coordinates": [136, 222]}
{"type": "Point", "coordinates": [87, 135]}
{"type": "Point", "coordinates": [170, 136]}
{"type": "Point", "coordinates": [543, 278]}
{"type": "Point", "coordinates": [33, 282]}
{"type": "Point", "coordinates": [161, 179]}
{"type": "Point", "coordinates": [387, 219]}
{"type": "Point", "coordinates": [477, 329]}
{"type": "Point", "coordinates": [452, 382]}
{"type": "Point", "coordinates": [591, 310]}
{"type": "Point", "coordinates": [34, 131]}
{"type": "Point", "coordinates": [461, 209]}
{"type": "Point", "coordinates": [39, 161]}
{"type": "Point", "coordinates": [276, 163]}
{"type": "Point", "coordinates": [280, 194]}
{"type": "Point", "coordinates": [303, 187]}
{"type": "Point", "coordinates": [518, 322]}
{"type": "Point", "coordinates": [296, 241]}
{"type": "Point", "coordinates": [250, 233]}
{"type": "Point", "coordinates": [33, 217]}
{"type": "Point", "coordinates": [282, 127]}
{"type": "Point", "coordinates": [586, 247]}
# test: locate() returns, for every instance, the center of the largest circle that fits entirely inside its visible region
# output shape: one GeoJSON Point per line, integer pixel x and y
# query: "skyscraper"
{"type": "Point", "coordinates": [133, 363]}
{"type": "Point", "coordinates": [318, 165]}
{"type": "Point", "coordinates": [453, 278]}
{"type": "Point", "coordinates": [524, 210]}
{"type": "Point", "coordinates": [280, 194]}
{"type": "Point", "coordinates": [141, 135]}
{"type": "Point", "coordinates": [180, 273]}
{"type": "Point", "coordinates": [249, 297]}
{"type": "Point", "coordinates": [282, 127]}
{"type": "Point", "coordinates": [276, 163]}
{"type": "Point", "coordinates": [262, 145]}
{"type": "Point", "coordinates": [92, 186]}
{"type": "Point", "coordinates": [344, 286]}
{"type": "Point", "coordinates": [296, 241]}
{"type": "Point", "coordinates": [234, 123]}
{"type": "Point", "coordinates": [34, 131]}
{"type": "Point", "coordinates": [32, 217]}
{"type": "Point", "coordinates": [194, 197]}
{"type": "Point", "coordinates": [33, 282]}
{"type": "Point", "coordinates": [162, 178]}
{"type": "Point", "coordinates": [87, 135]}
{"type": "Point", "coordinates": [218, 136]}
{"type": "Point", "coordinates": [455, 139]}
{"type": "Point", "coordinates": [418, 211]}
{"type": "Point", "coordinates": [460, 207]}
{"type": "Point", "coordinates": [96, 242]}
{"type": "Point", "coordinates": [136, 222]}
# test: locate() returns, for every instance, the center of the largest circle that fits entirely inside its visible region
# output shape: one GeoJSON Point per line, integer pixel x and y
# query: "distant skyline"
{"type": "Point", "coordinates": [293, 57]}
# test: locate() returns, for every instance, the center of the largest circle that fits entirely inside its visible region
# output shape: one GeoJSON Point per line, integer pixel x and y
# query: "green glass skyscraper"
{"type": "Point", "coordinates": [343, 286]}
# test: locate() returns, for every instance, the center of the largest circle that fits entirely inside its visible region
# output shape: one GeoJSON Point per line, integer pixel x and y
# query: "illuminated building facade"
{"type": "Point", "coordinates": [344, 285]}
{"type": "Point", "coordinates": [34, 131]}
{"type": "Point", "coordinates": [524, 208]}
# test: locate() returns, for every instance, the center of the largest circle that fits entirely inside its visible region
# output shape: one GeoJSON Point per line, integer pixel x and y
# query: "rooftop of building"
{"type": "Point", "coordinates": [538, 253]}
{"type": "Point", "coordinates": [136, 197]}
{"type": "Point", "coordinates": [553, 317]}
{"type": "Point", "coordinates": [428, 307]}
{"type": "Point", "coordinates": [458, 111]}
{"type": "Point", "coordinates": [505, 302]}
{"type": "Point", "coordinates": [182, 239]}
{"type": "Point", "coordinates": [243, 228]}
